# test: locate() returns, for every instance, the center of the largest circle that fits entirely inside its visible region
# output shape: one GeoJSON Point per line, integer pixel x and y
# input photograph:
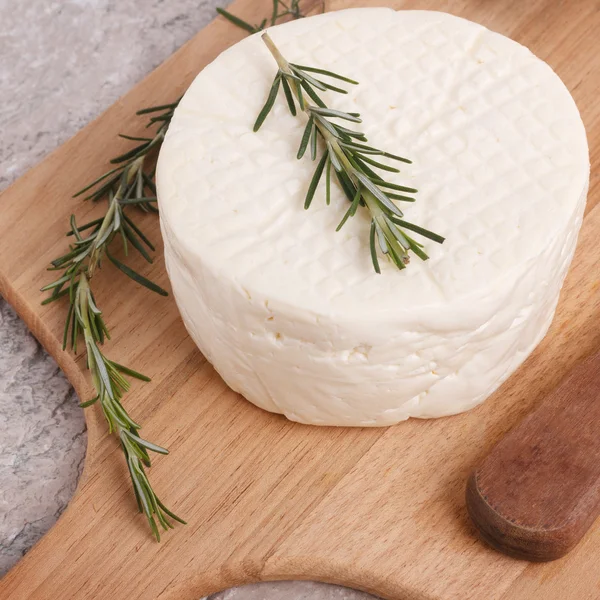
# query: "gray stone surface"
{"type": "Point", "coordinates": [42, 440]}
{"type": "Point", "coordinates": [291, 590]}
{"type": "Point", "coordinates": [62, 63]}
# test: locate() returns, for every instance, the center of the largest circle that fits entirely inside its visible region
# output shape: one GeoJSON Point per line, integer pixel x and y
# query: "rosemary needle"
{"type": "Point", "coordinates": [346, 151]}
{"type": "Point", "coordinates": [279, 11]}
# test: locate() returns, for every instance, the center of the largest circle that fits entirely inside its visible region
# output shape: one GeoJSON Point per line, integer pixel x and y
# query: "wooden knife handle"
{"type": "Point", "coordinates": [538, 491]}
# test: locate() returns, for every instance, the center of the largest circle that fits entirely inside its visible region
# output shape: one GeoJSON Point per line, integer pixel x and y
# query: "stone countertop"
{"type": "Point", "coordinates": [64, 62]}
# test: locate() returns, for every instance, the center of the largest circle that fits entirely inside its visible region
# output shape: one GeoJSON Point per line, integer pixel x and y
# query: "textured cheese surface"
{"type": "Point", "coordinates": [291, 313]}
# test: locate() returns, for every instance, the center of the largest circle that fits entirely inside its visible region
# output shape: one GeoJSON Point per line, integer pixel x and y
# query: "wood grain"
{"type": "Point", "coordinates": [381, 510]}
{"type": "Point", "coordinates": [538, 491]}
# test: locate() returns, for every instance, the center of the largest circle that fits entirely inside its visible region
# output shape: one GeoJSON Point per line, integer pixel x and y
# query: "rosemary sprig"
{"type": "Point", "coordinates": [352, 159]}
{"type": "Point", "coordinates": [126, 187]}
{"type": "Point", "coordinates": [280, 10]}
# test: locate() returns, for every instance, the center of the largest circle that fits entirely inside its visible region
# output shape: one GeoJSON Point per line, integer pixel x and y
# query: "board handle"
{"type": "Point", "coordinates": [538, 491]}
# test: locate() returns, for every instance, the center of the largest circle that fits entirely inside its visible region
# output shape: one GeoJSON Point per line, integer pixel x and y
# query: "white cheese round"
{"type": "Point", "coordinates": [291, 313]}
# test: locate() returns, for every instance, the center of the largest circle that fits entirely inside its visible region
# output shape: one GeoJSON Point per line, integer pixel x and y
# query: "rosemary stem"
{"type": "Point", "coordinates": [100, 238]}
{"type": "Point", "coordinates": [281, 61]}
{"type": "Point", "coordinates": [82, 295]}
{"type": "Point", "coordinates": [99, 242]}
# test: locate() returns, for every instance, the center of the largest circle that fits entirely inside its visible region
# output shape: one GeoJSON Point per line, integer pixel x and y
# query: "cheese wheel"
{"type": "Point", "coordinates": [290, 312]}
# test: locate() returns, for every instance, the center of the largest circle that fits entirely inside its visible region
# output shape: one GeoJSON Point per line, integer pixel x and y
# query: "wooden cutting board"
{"type": "Point", "coordinates": [377, 509]}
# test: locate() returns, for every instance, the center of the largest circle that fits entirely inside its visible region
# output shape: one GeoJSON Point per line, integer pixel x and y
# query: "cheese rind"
{"type": "Point", "coordinates": [290, 312]}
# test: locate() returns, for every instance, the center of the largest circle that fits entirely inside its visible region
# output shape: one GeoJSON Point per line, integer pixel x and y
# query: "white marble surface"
{"type": "Point", "coordinates": [62, 63]}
